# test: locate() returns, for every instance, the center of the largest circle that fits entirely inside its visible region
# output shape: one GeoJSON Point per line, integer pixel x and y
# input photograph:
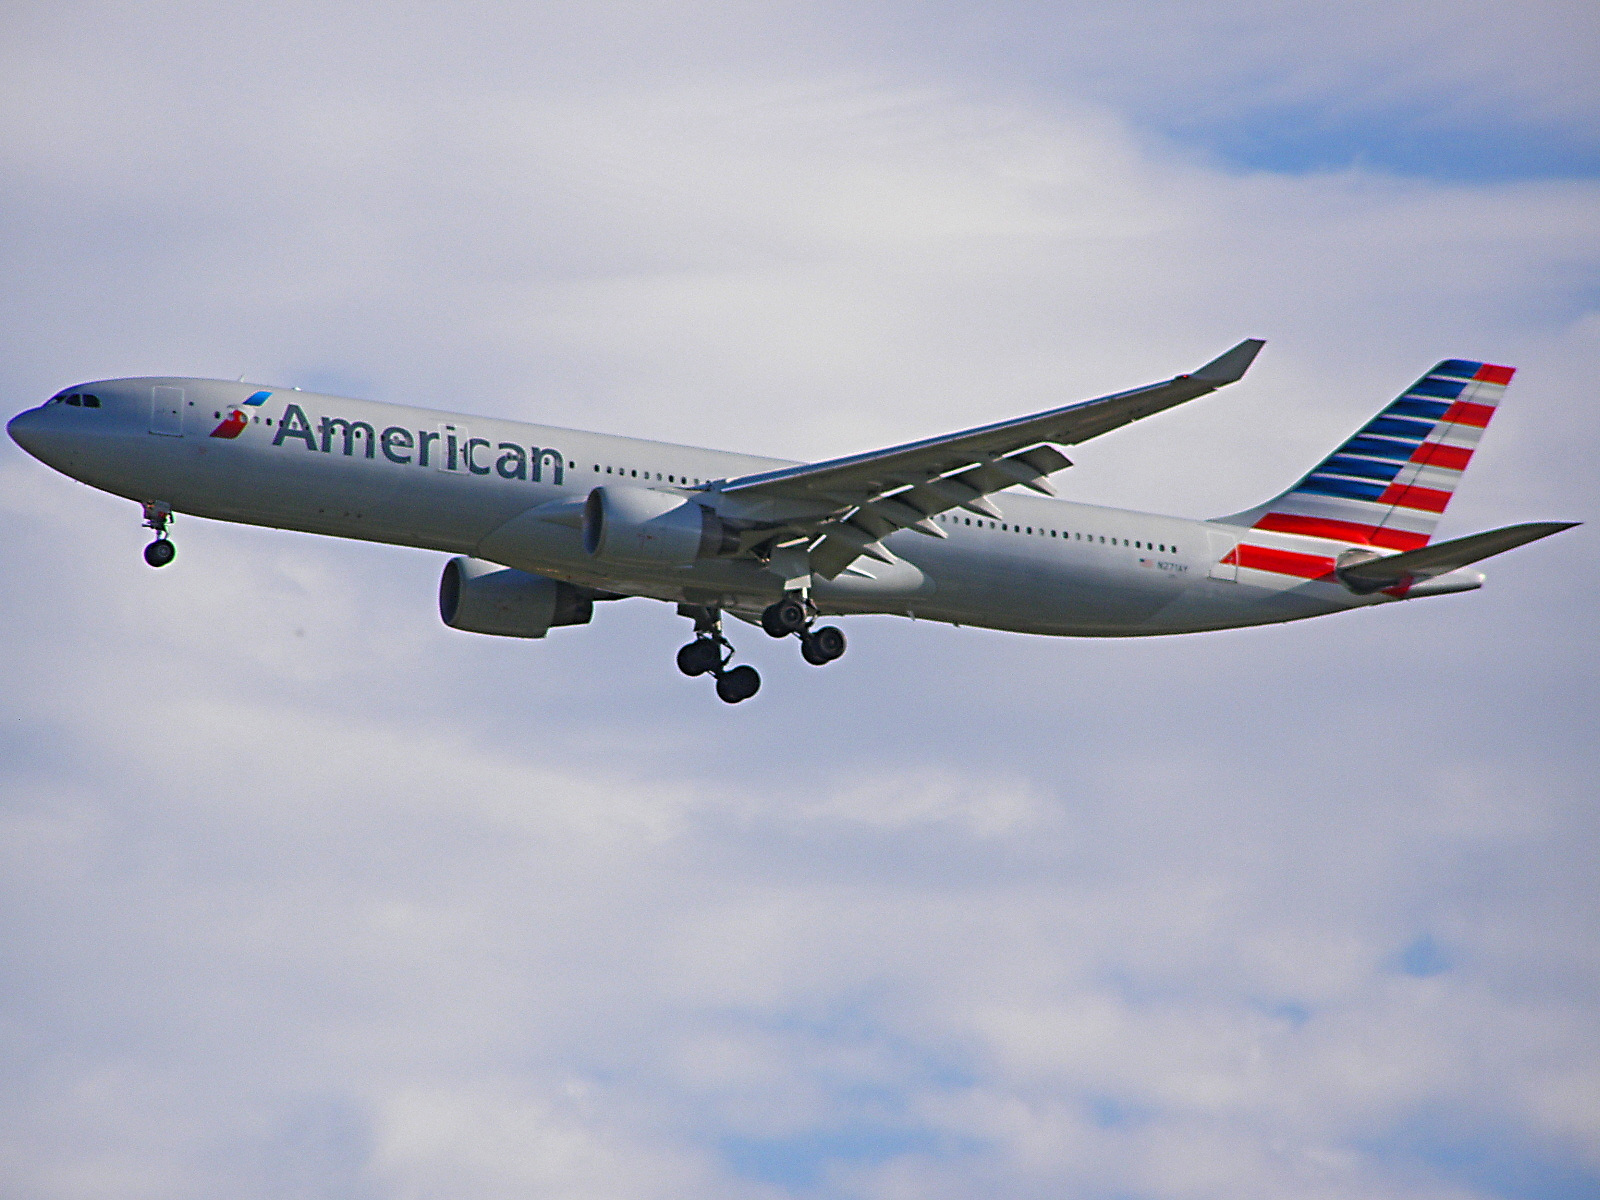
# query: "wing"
{"type": "Point", "coordinates": [841, 509]}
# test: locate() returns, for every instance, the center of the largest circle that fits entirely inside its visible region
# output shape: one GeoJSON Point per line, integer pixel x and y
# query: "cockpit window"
{"type": "Point", "coordinates": [91, 401]}
{"type": "Point", "coordinates": [77, 399]}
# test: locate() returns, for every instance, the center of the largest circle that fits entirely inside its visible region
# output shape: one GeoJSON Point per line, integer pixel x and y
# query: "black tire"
{"type": "Point", "coordinates": [699, 656]}
{"type": "Point", "coordinates": [160, 552]}
{"type": "Point", "coordinates": [785, 617]}
{"type": "Point", "coordinates": [738, 684]}
{"type": "Point", "coordinates": [812, 653]}
{"type": "Point", "coordinates": [829, 641]}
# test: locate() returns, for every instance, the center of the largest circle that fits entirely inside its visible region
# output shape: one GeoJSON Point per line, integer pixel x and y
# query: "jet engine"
{"type": "Point", "coordinates": [483, 597]}
{"type": "Point", "coordinates": [637, 525]}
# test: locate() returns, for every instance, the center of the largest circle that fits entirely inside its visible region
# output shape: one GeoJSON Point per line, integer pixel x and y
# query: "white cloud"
{"type": "Point", "coordinates": [309, 896]}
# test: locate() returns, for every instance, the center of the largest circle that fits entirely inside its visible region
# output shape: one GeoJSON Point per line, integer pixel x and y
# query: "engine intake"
{"type": "Point", "coordinates": [638, 525]}
{"type": "Point", "coordinates": [484, 597]}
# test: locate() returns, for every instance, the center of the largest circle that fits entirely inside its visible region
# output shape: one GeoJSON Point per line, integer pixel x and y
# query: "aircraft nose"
{"type": "Point", "coordinates": [26, 430]}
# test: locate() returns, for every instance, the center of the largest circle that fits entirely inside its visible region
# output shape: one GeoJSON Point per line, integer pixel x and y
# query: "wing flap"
{"type": "Point", "coordinates": [855, 502]}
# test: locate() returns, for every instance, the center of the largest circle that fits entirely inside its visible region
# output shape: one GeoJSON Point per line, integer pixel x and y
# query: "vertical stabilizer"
{"type": "Point", "coordinates": [1388, 485]}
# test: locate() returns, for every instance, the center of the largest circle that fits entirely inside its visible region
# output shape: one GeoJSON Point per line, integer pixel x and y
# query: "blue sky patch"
{"type": "Point", "coordinates": [1305, 139]}
{"type": "Point", "coordinates": [1425, 957]}
{"type": "Point", "coordinates": [802, 1160]}
{"type": "Point", "coordinates": [1454, 1149]}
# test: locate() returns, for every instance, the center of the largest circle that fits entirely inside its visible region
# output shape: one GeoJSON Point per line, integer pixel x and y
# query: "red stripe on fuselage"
{"type": "Point", "coordinates": [1282, 562]}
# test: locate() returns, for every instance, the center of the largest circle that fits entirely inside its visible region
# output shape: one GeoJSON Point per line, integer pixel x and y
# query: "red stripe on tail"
{"type": "Point", "coordinates": [1462, 413]}
{"type": "Point", "coordinates": [1342, 531]}
{"type": "Point", "coordinates": [1433, 454]}
{"type": "Point", "coordinates": [1399, 539]}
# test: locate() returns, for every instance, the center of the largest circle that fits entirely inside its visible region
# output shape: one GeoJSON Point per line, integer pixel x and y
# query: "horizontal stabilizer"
{"type": "Point", "coordinates": [1394, 570]}
{"type": "Point", "coordinates": [1230, 367]}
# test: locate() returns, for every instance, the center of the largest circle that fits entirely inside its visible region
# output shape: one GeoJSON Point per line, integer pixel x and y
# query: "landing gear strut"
{"type": "Point", "coordinates": [710, 653]}
{"type": "Point", "coordinates": [158, 516]}
{"type": "Point", "coordinates": [795, 615]}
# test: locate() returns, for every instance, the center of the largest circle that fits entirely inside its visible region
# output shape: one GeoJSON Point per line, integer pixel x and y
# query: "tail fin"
{"type": "Point", "coordinates": [1388, 485]}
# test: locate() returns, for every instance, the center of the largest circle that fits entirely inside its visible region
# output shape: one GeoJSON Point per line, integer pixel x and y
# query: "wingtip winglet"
{"type": "Point", "coordinates": [1231, 366]}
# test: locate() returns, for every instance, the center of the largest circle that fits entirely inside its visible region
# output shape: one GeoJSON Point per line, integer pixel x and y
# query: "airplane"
{"type": "Point", "coordinates": [544, 522]}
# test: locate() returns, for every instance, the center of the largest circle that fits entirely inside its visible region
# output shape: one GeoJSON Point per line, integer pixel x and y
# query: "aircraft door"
{"type": "Point", "coordinates": [1221, 545]}
{"type": "Point", "coordinates": [166, 411]}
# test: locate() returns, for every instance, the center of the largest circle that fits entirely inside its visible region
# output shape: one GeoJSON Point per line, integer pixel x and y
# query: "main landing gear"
{"type": "Point", "coordinates": [793, 615]}
{"type": "Point", "coordinates": [710, 653]}
{"type": "Point", "coordinates": [158, 516]}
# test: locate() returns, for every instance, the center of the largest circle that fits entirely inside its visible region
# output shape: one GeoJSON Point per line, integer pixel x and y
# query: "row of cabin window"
{"type": "Point", "coordinates": [79, 400]}
{"type": "Point", "coordinates": [1006, 527]}
{"type": "Point", "coordinates": [634, 474]}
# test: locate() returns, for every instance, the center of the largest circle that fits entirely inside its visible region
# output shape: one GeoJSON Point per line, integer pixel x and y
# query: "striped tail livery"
{"type": "Point", "coordinates": [1388, 485]}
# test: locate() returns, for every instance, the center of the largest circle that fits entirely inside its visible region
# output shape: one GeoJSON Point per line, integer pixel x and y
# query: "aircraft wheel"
{"type": "Point", "coordinates": [738, 684]}
{"type": "Point", "coordinates": [785, 617]}
{"type": "Point", "coordinates": [160, 552]}
{"type": "Point", "coordinates": [821, 646]}
{"type": "Point", "coordinates": [699, 656]}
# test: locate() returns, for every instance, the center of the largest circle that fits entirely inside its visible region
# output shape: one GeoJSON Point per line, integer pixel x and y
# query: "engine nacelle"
{"type": "Point", "coordinates": [637, 525]}
{"type": "Point", "coordinates": [484, 597]}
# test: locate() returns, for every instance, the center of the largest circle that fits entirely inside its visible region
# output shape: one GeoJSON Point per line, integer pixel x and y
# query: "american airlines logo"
{"type": "Point", "coordinates": [233, 424]}
{"type": "Point", "coordinates": [446, 448]}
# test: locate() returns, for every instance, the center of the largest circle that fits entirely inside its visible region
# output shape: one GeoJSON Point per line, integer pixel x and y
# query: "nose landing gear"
{"type": "Point", "coordinates": [158, 516]}
{"type": "Point", "coordinates": [710, 653]}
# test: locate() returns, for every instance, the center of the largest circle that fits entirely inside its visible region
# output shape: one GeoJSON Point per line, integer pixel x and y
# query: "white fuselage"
{"type": "Point", "coordinates": [458, 484]}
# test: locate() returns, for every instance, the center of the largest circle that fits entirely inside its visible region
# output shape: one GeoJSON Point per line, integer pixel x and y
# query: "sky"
{"type": "Point", "coordinates": [304, 895]}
